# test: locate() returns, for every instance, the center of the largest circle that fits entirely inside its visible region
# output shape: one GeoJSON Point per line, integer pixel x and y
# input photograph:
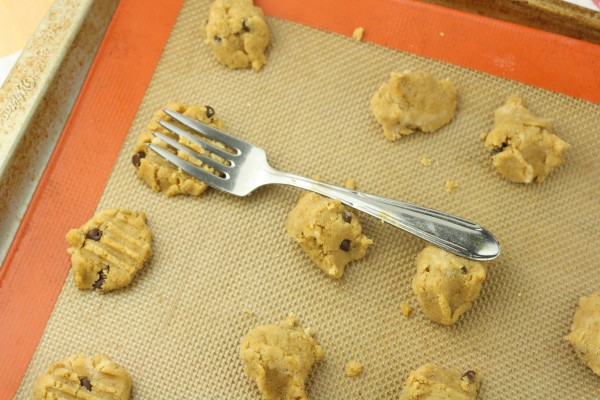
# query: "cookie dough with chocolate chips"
{"type": "Point", "coordinates": [433, 382]}
{"type": "Point", "coordinates": [109, 249]}
{"type": "Point", "coordinates": [161, 175]}
{"type": "Point", "coordinates": [328, 231]}
{"type": "Point", "coordinates": [237, 34]}
{"type": "Point", "coordinates": [413, 101]}
{"type": "Point", "coordinates": [523, 147]}
{"type": "Point", "coordinates": [446, 285]}
{"type": "Point", "coordinates": [585, 331]}
{"type": "Point", "coordinates": [278, 358]}
{"type": "Point", "coordinates": [84, 378]}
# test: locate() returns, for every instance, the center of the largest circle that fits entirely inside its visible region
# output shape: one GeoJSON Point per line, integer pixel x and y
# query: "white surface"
{"type": "Point", "coordinates": [6, 64]}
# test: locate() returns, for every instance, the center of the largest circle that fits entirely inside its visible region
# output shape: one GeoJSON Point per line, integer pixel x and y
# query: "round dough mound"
{"type": "Point", "coordinates": [161, 175]}
{"type": "Point", "coordinates": [237, 34]}
{"type": "Point", "coordinates": [278, 358]}
{"type": "Point", "coordinates": [585, 331]}
{"type": "Point", "coordinates": [109, 249]}
{"type": "Point", "coordinates": [328, 231]}
{"type": "Point", "coordinates": [446, 285]}
{"type": "Point", "coordinates": [433, 382]}
{"type": "Point", "coordinates": [79, 377]}
{"type": "Point", "coordinates": [523, 147]}
{"type": "Point", "coordinates": [411, 101]}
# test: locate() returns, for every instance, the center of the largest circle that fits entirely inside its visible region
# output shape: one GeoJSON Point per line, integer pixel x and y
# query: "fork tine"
{"type": "Point", "coordinates": [191, 169]}
{"type": "Point", "coordinates": [209, 131]}
{"type": "Point", "coordinates": [194, 139]}
{"type": "Point", "coordinates": [203, 159]}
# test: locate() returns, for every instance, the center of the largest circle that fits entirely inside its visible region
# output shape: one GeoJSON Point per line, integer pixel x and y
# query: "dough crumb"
{"type": "Point", "coordinates": [351, 184]}
{"type": "Point", "coordinates": [450, 186]}
{"type": "Point", "coordinates": [353, 368]}
{"type": "Point", "coordinates": [358, 33]}
{"type": "Point", "coordinates": [585, 331]}
{"type": "Point", "coordinates": [433, 382]}
{"type": "Point", "coordinates": [405, 309]}
{"type": "Point", "coordinates": [425, 161]}
{"type": "Point", "coordinates": [522, 146]}
{"type": "Point", "coordinates": [278, 358]}
{"type": "Point", "coordinates": [446, 285]}
{"type": "Point", "coordinates": [412, 101]}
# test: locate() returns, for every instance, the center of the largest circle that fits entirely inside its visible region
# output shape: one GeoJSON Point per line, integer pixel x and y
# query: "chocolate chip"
{"type": "Point", "coordinates": [85, 382]}
{"type": "Point", "coordinates": [345, 245]}
{"type": "Point", "coordinates": [217, 39]}
{"type": "Point", "coordinates": [470, 375]}
{"type": "Point", "coordinates": [347, 217]}
{"type": "Point", "coordinates": [463, 269]}
{"type": "Point", "coordinates": [101, 278]}
{"type": "Point", "coordinates": [94, 234]}
{"type": "Point", "coordinates": [137, 158]}
{"type": "Point", "coordinates": [245, 27]}
{"type": "Point", "coordinates": [210, 112]}
{"type": "Point", "coordinates": [497, 150]}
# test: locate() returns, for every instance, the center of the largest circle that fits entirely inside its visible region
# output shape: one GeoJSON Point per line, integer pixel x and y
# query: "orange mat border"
{"type": "Point", "coordinates": [35, 268]}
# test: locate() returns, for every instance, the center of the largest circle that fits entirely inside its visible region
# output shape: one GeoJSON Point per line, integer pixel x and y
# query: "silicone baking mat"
{"type": "Point", "coordinates": [177, 328]}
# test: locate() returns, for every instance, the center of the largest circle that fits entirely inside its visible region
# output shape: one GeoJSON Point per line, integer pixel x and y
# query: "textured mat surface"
{"type": "Point", "coordinates": [177, 328]}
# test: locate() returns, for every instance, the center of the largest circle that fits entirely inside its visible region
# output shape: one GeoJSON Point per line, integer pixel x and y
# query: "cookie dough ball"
{"type": "Point", "coordinates": [328, 231]}
{"type": "Point", "coordinates": [237, 34]}
{"type": "Point", "coordinates": [161, 175]}
{"type": "Point", "coordinates": [278, 358]}
{"type": "Point", "coordinates": [109, 249]}
{"type": "Point", "coordinates": [446, 285]}
{"type": "Point", "coordinates": [411, 101]}
{"type": "Point", "coordinates": [585, 331]}
{"type": "Point", "coordinates": [432, 382]}
{"type": "Point", "coordinates": [79, 377]}
{"type": "Point", "coordinates": [522, 145]}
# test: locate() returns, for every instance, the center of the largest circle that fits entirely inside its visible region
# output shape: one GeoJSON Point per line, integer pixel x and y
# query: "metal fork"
{"type": "Point", "coordinates": [246, 169]}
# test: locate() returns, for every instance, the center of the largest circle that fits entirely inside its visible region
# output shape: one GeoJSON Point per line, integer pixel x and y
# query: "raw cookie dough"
{"type": "Point", "coordinates": [523, 147]}
{"type": "Point", "coordinates": [585, 331]}
{"type": "Point", "coordinates": [160, 174]}
{"type": "Point", "coordinates": [278, 358]}
{"type": "Point", "coordinates": [109, 249]}
{"type": "Point", "coordinates": [446, 285]}
{"type": "Point", "coordinates": [328, 231]}
{"type": "Point", "coordinates": [237, 34]}
{"type": "Point", "coordinates": [82, 378]}
{"type": "Point", "coordinates": [411, 101]}
{"type": "Point", "coordinates": [353, 369]}
{"type": "Point", "coordinates": [430, 382]}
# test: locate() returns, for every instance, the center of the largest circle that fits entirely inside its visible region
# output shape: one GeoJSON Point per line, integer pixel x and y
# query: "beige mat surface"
{"type": "Point", "coordinates": [177, 328]}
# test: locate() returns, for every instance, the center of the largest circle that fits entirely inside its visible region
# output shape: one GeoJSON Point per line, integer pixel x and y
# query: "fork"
{"type": "Point", "coordinates": [245, 168]}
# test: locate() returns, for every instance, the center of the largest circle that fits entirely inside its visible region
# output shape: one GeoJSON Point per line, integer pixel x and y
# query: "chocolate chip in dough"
{"type": "Point", "coordinates": [463, 269]}
{"type": "Point", "coordinates": [85, 382]}
{"type": "Point", "coordinates": [345, 245]}
{"type": "Point", "coordinates": [101, 278]}
{"type": "Point", "coordinates": [347, 217]}
{"type": "Point", "coordinates": [137, 158]}
{"type": "Point", "coordinates": [245, 27]}
{"type": "Point", "coordinates": [210, 112]}
{"type": "Point", "coordinates": [94, 234]}
{"type": "Point", "coordinates": [470, 375]}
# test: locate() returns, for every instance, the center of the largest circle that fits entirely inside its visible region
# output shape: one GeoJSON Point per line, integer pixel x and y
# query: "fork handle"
{"type": "Point", "coordinates": [454, 234]}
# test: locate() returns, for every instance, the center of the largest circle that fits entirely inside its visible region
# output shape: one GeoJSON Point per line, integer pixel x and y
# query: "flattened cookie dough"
{"type": "Point", "coordinates": [109, 249]}
{"type": "Point", "coordinates": [430, 382]}
{"type": "Point", "coordinates": [161, 175]}
{"type": "Point", "coordinates": [585, 331]}
{"type": "Point", "coordinates": [446, 285]}
{"type": "Point", "coordinates": [237, 34]}
{"type": "Point", "coordinates": [278, 358]}
{"type": "Point", "coordinates": [413, 101]}
{"type": "Point", "coordinates": [79, 377]}
{"type": "Point", "coordinates": [523, 147]}
{"type": "Point", "coordinates": [328, 231]}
